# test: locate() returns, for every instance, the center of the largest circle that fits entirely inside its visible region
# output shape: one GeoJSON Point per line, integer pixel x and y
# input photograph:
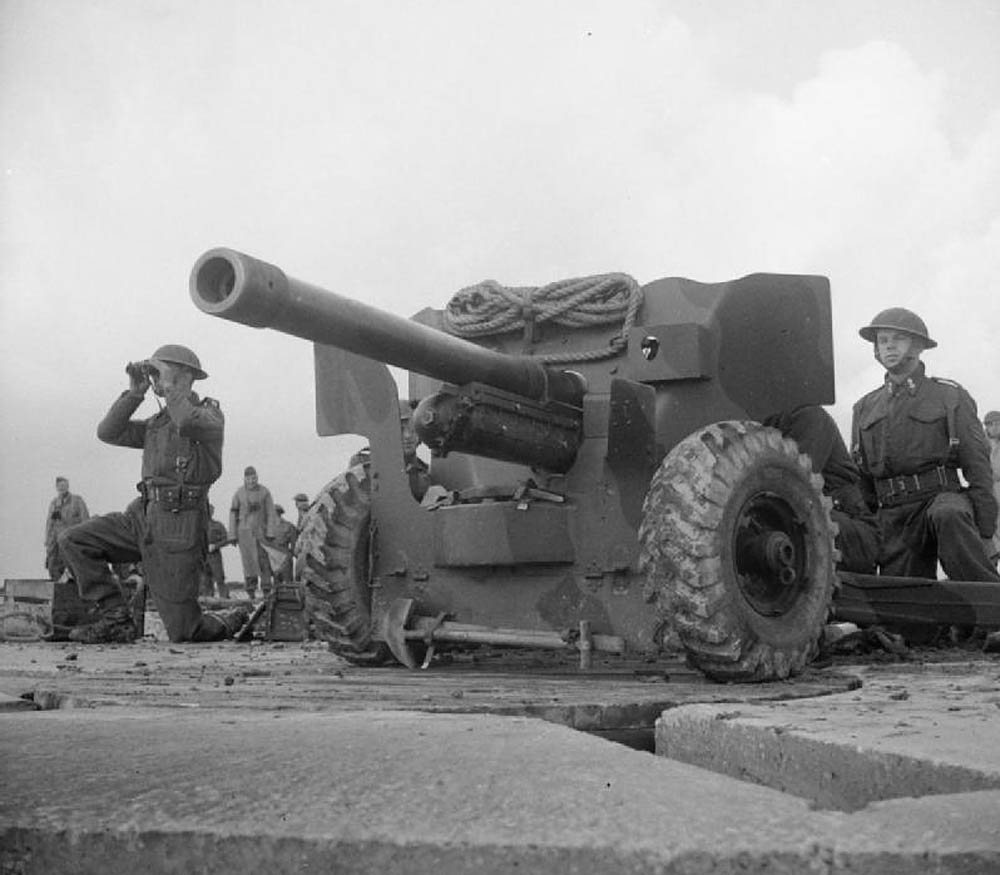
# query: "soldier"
{"type": "Point", "coordinates": [817, 435]}
{"type": "Point", "coordinates": [910, 437]}
{"type": "Point", "coordinates": [284, 540]}
{"type": "Point", "coordinates": [166, 526]}
{"type": "Point", "coordinates": [417, 470]}
{"type": "Point", "coordinates": [301, 505]}
{"type": "Point", "coordinates": [252, 520]}
{"type": "Point", "coordinates": [214, 573]}
{"type": "Point", "coordinates": [65, 510]}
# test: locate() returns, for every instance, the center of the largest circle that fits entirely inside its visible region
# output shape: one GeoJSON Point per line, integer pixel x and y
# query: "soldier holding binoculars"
{"type": "Point", "coordinates": [166, 526]}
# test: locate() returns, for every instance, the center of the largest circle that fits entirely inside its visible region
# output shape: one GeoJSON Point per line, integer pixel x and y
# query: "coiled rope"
{"type": "Point", "coordinates": [583, 302]}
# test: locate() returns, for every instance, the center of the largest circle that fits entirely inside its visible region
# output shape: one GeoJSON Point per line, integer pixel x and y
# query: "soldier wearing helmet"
{"type": "Point", "coordinates": [166, 527]}
{"type": "Point", "coordinates": [911, 437]}
{"type": "Point", "coordinates": [302, 506]}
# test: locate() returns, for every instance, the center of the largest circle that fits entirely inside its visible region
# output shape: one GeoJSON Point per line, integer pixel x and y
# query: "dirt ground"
{"type": "Point", "coordinates": [616, 694]}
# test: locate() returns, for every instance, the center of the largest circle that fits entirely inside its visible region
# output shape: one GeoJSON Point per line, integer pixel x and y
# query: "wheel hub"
{"type": "Point", "coordinates": [770, 553]}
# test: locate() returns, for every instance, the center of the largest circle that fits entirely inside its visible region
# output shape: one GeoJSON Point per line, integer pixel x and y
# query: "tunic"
{"type": "Point", "coordinates": [910, 439]}
{"type": "Point", "coordinates": [252, 518]}
{"type": "Point", "coordinates": [64, 511]}
{"type": "Point", "coordinates": [166, 527]}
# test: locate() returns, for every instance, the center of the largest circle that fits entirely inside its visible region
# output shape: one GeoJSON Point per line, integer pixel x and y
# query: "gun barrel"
{"type": "Point", "coordinates": [238, 287]}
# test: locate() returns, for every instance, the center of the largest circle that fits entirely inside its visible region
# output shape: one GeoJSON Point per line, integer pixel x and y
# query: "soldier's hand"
{"type": "Point", "coordinates": [138, 379]}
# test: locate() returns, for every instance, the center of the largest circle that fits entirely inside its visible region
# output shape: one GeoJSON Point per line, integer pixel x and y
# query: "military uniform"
{"type": "Point", "coordinates": [252, 519]}
{"type": "Point", "coordinates": [817, 435]}
{"type": "Point", "coordinates": [910, 439]}
{"type": "Point", "coordinates": [64, 511]}
{"type": "Point", "coordinates": [214, 574]}
{"type": "Point", "coordinates": [166, 527]}
{"type": "Point", "coordinates": [284, 540]}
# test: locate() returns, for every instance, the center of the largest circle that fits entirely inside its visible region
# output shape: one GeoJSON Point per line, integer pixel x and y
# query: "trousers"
{"type": "Point", "coordinates": [918, 535]}
{"type": "Point", "coordinates": [171, 544]}
{"type": "Point", "coordinates": [54, 563]}
{"type": "Point", "coordinates": [857, 540]}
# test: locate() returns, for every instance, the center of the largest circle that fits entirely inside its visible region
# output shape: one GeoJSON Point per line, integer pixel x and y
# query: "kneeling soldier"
{"type": "Point", "coordinates": [166, 527]}
{"type": "Point", "coordinates": [911, 436]}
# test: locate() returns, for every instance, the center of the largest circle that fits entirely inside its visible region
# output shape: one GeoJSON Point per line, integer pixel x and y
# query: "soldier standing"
{"type": "Point", "coordinates": [911, 436]}
{"type": "Point", "coordinates": [165, 528]}
{"type": "Point", "coordinates": [286, 536]}
{"type": "Point", "coordinates": [252, 520]}
{"type": "Point", "coordinates": [65, 510]}
{"type": "Point", "coordinates": [214, 575]}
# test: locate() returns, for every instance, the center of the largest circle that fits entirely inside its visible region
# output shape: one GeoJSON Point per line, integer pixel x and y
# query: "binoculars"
{"type": "Point", "coordinates": [144, 368]}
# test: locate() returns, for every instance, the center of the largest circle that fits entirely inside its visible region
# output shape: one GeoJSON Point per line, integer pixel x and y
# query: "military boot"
{"type": "Point", "coordinates": [114, 626]}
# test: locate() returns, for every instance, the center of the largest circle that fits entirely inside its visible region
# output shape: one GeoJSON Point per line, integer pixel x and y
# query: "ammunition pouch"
{"type": "Point", "coordinates": [908, 488]}
{"type": "Point", "coordinates": [174, 498]}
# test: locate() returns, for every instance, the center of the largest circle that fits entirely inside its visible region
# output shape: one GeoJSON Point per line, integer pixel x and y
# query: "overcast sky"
{"type": "Point", "coordinates": [396, 152]}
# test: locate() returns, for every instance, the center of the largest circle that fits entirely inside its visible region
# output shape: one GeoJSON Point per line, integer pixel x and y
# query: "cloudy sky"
{"type": "Point", "coordinates": [395, 152]}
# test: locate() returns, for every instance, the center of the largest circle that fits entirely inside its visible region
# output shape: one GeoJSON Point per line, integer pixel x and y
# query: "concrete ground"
{"type": "Point", "coordinates": [898, 775]}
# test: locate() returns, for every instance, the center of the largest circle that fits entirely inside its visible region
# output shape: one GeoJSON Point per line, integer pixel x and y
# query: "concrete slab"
{"type": "Point", "coordinates": [154, 790]}
{"type": "Point", "coordinates": [908, 731]}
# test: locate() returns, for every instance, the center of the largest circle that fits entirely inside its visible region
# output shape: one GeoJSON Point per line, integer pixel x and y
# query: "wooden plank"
{"type": "Point", "coordinates": [868, 599]}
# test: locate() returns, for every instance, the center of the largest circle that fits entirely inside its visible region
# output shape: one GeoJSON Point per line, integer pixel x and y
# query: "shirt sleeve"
{"type": "Point", "coordinates": [270, 515]}
{"type": "Point", "coordinates": [234, 516]}
{"type": "Point", "coordinates": [118, 428]}
{"type": "Point", "coordinates": [865, 481]}
{"type": "Point", "coordinates": [974, 458]}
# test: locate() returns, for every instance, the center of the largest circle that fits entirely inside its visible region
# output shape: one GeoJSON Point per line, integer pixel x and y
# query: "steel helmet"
{"type": "Point", "coordinates": [898, 319]}
{"type": "Point", "coordinates": [992, 416]}
{"type": "Point", "coordinates": [175, 354]}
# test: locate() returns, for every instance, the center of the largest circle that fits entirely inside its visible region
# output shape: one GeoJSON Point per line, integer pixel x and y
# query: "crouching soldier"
{"type": "Point", "coordinates": [911, 437]}
{"type": "Point", "coordinates": [166, 527]}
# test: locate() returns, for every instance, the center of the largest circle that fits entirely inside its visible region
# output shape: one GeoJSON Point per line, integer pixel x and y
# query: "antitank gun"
{"type": "Point", "coordinates": [607, 487]}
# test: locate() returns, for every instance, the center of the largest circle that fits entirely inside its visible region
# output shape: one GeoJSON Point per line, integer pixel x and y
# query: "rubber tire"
{"type": "Point", "coordinates": [333, 561]}
{"type": "Point", "coordinates": [687, 539]}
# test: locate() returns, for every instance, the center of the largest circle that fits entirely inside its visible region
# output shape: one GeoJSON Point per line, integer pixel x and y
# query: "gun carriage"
{"type": "Point", "coordinates": [605, 486]}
